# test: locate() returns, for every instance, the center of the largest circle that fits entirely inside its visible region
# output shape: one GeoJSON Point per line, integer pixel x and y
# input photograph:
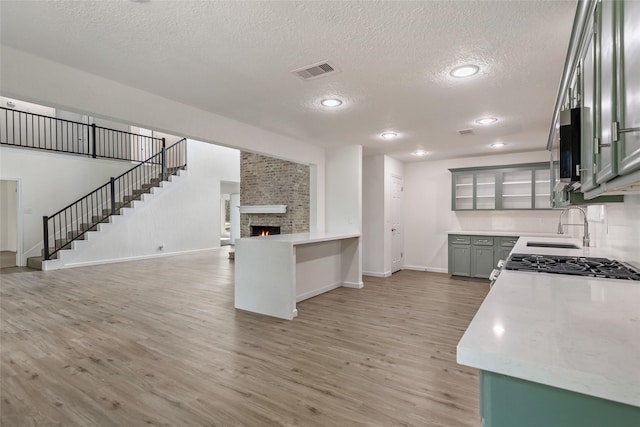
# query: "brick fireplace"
{"type": "Point", "coordinates": [269, 181]}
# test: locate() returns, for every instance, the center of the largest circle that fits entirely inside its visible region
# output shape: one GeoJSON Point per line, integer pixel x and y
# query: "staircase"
{"type": "Point", "coordinates": [78, 220]}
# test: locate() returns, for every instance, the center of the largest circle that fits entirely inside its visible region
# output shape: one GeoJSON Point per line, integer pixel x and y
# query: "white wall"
{"type": "Point", "coordinates": [620, 230]}
{"type": "Point", "coordinates": [184, 216]}
{"type": "Point", "coordinates": [8, 219]}
{"type": "Point", "coordinates": [344, 189]}
{"type": "Point", "coordinates": [26, 106]}
{"type": "Point", "coordinates": [50, 182]}
{"type": "Point", "coordinates": [373, 219]}
{"type": "Point", "coordinates": [428, 215]}
{"type": "Point", "coordinates": [30, 78]}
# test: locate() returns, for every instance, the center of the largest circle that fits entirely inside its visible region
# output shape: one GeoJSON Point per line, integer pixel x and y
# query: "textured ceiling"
{"type": "Point", "coordinates": [234, 58]}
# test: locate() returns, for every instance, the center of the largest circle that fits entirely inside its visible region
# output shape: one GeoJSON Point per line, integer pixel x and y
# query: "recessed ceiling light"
{"type": "Point", "coordinates": [331, 102]}
{"type": "Point", "coordinates": [486, 120]}
{"type": "Point", "coordinates": [465, 71]}
{"type": "Point", "coordinates": [497, 144]}
{"type": "Point", "coordinates": [388, 135]}
{"type": "Point", "coordinates": [419, 153]}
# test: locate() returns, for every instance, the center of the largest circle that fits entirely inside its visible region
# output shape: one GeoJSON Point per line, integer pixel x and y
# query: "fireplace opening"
{"type": "Point", "coordinates": [264, 230]}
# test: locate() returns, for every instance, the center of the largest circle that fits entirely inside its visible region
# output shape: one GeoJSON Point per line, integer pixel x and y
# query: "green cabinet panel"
{"type": "Point", "coordinates": [605, 19]}
{"type": "Point", "coordinates": [507, 402]}
{"type": "Point", "coordinates": [482, 261]}
{"type": "Point", "coordinates": [589, 113]}
{"type": "Point", "coordinates": [460, 260]}
{"type": "Point", "coordinates": [629, 86]}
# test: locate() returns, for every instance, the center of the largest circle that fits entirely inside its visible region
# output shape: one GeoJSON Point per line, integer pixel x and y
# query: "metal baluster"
{"type": "Point", "coordinates": [45, 231]}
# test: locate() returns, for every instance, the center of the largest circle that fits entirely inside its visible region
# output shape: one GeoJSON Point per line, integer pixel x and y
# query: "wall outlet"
{"type": "Point", "coordinates": [595, 213]}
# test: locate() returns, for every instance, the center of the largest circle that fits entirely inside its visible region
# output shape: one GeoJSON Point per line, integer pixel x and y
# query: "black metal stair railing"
{"type": "Point", "coordinates": [73, 221]}
{"type": "Point", "coordinates": [28, 130]}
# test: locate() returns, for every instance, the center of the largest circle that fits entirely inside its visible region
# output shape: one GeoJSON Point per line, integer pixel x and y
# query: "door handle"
{"type": "Point", "coordinates": [393, 229]}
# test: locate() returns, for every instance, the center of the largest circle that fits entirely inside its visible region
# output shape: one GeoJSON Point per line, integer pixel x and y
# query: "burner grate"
{"type": "Point", "coordinates": [577, 266]}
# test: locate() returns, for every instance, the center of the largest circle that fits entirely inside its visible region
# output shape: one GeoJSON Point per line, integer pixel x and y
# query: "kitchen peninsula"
{"type": "Point", "coordinates": [273, 273]}
{"type": "Point", "coordinates": [557, 350]}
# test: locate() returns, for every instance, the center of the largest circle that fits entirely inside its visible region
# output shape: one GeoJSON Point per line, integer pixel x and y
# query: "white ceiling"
{"type": "Point", "coordinates": [234, 58]}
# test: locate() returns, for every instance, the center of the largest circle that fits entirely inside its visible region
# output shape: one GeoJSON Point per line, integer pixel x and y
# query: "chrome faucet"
{"type": "Point", "coordinates": [585, 225]}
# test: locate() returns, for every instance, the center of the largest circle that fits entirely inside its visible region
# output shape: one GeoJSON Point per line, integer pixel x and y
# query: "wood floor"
{"type": "Point", "coordinates": [158, 342]}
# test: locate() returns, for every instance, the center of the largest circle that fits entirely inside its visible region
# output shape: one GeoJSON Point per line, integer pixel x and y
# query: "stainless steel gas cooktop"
{"type": "Point", "coordinates": [577, 266]}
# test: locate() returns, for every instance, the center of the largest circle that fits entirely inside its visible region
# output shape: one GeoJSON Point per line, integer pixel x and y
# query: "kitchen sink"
{"type": "Point", "coordinates": [552, 245]}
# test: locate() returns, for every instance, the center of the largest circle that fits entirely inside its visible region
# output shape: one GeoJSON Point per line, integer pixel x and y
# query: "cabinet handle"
{"type": "Point", "coordinates": [599, 146]}
{"type": "Point", "coordinates": [616, 131]}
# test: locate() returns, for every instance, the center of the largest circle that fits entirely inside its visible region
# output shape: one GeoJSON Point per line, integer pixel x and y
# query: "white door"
{"type": "Point", "coordinates": [396, 224]}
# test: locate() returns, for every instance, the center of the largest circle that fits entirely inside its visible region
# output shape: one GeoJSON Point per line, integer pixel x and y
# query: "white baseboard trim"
{"type": "Point", "coordinates": [376, 274]}
{"type": "Point", "coordinates": [423, 268]}
{"type": "Point", "coordinates": [126, 259]}
{"type": "Point", "coordinates": [316, 292]}
{"type": "Point", "coordinates": [354, 285]}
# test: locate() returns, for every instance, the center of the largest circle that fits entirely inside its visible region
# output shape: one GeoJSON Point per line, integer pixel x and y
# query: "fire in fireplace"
{"type": "Point", "coordinates": [264, 230]}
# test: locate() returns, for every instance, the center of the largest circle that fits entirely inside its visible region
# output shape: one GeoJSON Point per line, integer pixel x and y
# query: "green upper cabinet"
{"type": "Point", "coordinates": [606, 168]}
{"type": "Point", "coordinates": [609, 67]}
{"type": "Point", "coordinates": [604, 58]}
{"type": "Point", "coordinates": [590, 109]}
{"type": "Point", "coordinates": [628, 33]}
{"type": "Point", "coordinates": [526, 186]}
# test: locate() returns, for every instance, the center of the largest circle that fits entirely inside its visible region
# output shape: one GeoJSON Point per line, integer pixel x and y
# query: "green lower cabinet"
{"type": "Point", "coordinates": [477, 256]}
{"type": "Point", "coordinates": [482, 261]}
{"type": "Point", "coordinates": [511, 402]}
{"type": "Point", "coordinates": [459, 260]}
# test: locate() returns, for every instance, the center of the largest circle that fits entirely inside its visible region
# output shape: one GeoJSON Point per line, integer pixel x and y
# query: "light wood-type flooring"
{"type": "Point", "coordinates": [158, 342]}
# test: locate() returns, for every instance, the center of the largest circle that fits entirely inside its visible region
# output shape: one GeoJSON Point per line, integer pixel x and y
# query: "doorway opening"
{"type": "Point", "coordinates": [229, 212]}
{"type": "Point", "coordinates": [10, 230]}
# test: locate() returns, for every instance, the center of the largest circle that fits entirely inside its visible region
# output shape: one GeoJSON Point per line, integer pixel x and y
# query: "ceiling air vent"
{"type": "Point", "coordinates": [465, 131]}
{"type": "Point", "coordinates": [314, 71]}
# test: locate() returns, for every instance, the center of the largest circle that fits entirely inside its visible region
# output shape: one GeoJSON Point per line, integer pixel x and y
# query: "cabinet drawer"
{"type": "Point", "coordinates": [508, 242]}
{"type": "Point", "coordinates": [459, 240]}
{"type": "Point", "coordinates": [482, 241]}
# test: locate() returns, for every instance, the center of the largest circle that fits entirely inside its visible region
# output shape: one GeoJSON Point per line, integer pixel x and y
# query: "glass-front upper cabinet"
{"type": "Point", "coordinates": [526, 186]}
{"type": "Point", "coordinates": [462, 191]}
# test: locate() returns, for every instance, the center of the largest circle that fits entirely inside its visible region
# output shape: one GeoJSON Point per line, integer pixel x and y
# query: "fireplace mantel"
{"type": "Point", "coordinates": [263, 209]}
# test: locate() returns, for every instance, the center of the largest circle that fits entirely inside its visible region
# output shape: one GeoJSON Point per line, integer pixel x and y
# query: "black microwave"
{"type": "Point", "coordinates": [570, 145]}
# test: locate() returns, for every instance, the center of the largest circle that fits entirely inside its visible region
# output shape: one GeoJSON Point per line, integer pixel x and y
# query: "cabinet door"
{"type": "Point", "coordinates": [542, 189]}
{"type": "Point", "coordinates": [502, 253]}
{"type": "Point", "coordinates": [481, 261]}
{"type": "Point", "coordinates": [485, 190]}
{"type": "Point", "coordinates": [462, 191]}
{"type": "Point", "coordinates": [607, 168]}
{"type": "Point", "coordinates": [517, 189]}
{"type": "Point", "coordinates": [589, 115]}
{"type": "Point", "coordinates": [459, 260]}
{"type": "Point", "coordinates": [629, 86]}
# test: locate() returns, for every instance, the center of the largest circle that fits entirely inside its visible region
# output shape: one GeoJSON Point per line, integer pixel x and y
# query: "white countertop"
{"type": "Point", "coordinates": [503, 233]}
{"type": "Point", "coordinates": [576, 333]}
{"type": "Point", "coordinates": [304, 238]}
